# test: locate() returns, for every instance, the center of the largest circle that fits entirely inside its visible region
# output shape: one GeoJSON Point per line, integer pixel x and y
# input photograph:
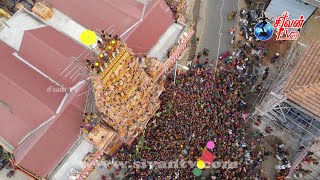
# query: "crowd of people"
{"type": "Point", "coordinates": [200, 107]}
{"type": "Point", "coordinates": [178, 8]}
{"type": "Point", "coordinates": [109, 46]}
{"type": "Point", "coordinates": [204, 106]}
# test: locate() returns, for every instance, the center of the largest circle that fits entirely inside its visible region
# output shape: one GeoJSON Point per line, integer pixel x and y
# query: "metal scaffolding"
{"type": "Point", "coordinates": [293, 124]}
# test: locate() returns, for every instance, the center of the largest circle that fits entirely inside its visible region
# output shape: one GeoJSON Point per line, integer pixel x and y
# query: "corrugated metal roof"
{"type": "Point", "coordinates": [120, 16]}
{"type": "Point", "coordinates": [102, 14]}
{"type": "Point", "coordinates": [24, 91]}
{"type": "Point", "coordinates": [22, 150]}
{"type": "Point", "coordinates": [157, 20]}
{"type": "Point", "coordinates": [46, 154]}
{"type": "Point", "coordinates": [294, 7]}
{"type": "Point", "coordinates": [28, 104]}
{"type": "Point", "coordinates": [167, 40]}
{"type": "Point", "coordinates": [12, 32]}
{"type": "Point", "coordinates": [313, 2]}
{"type": "Point", "coordinates": [41, 153]}
{"type": "Point", "coordinates": [53, 53]}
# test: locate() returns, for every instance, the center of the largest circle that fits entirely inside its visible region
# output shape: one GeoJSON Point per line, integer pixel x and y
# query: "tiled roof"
{"type": "Point", "coordinates": [303, 86]}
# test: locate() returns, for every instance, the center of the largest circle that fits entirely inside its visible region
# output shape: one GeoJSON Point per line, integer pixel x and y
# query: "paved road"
{"type": "Point", "coordinates": [17, 175]}
{"type": "Point", "coordinates": [217, 26]}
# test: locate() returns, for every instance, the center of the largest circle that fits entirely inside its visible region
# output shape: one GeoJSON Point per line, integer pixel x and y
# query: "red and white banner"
{"type": "Point", "coordinates": [92, 164]}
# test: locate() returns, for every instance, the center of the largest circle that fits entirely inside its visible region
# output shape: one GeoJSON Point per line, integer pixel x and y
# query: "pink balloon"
{"type": "Point", "coordinates": [210, 145]}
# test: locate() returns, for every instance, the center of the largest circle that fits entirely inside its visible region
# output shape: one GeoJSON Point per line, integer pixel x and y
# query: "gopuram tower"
{"type": "Point", "coordinates": [126, 94]}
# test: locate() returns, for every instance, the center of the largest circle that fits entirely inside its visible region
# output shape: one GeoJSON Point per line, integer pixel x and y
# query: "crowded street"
{"type": "Point", "coordinates": [214, 31]}
{"type": "Point", "coordinates": [200, 107]}
{"type": "Point", "coordinates": [160, 90]}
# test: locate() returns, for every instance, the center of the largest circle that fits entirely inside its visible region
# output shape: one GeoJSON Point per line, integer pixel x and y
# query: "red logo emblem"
{"type": "Point", "coordinates": [283, 25]}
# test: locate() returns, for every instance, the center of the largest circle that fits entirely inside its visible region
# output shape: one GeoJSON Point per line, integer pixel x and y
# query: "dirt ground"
{"type": "Point", "coordinates": [309, 32]}
{"type": "Point", "coordinates": [270, 162]}
{"type": "Point", "coordinates": [274, 47]}
{"type": "Point", "coordinates": [311, 29]}
{"type": "Point", "coordinates": [268, 166]}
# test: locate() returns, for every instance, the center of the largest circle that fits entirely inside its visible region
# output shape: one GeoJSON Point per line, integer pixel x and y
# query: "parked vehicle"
{"type": "Point", "coordinates": [9, 165]}
{"type": "Point", "coordinates": [224, 55]}
{"type": "Point", "coordinates": [206, 51]}
{"type": "Point", "coordinates": [275, 58]}
{"type": "Point", "coordinates": [3, 163]}
{"type": "Point", "coordinates": [253, 15]}
{"type": "Point", "coordinates": [1, 150]}
{"type": "Point", "coordinates": [232, 15]}
{"type": "Point", "coordinates": [11, 173]}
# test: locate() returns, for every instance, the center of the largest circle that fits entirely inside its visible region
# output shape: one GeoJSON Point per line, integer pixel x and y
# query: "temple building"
{"type": "Point", "coordinates": [126, 96]}
{"type": "Point", "coordinates": [42, 96]}
{"type": "Point", "coordinates": [179, 9]}
{"type": "Point", "coordinates": [121, 89]}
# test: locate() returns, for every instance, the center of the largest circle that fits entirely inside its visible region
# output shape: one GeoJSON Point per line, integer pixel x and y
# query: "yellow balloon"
{"type": "Point", "coordinates": [88, 37]}
{"type": "Point", "coordinates": [201, 164]}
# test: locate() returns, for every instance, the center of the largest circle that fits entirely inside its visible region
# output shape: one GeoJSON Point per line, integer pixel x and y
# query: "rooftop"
{"type": "Point", "coordinates": [99, 15]}
{"type": "Point", "coordinates": [303, 86]}
{"type": "Point", "coordinates": [23, 20]}
{"type": "Point", "coordinates": [33, 114]}
{"type": "Point", "coordinates": [17, 92]}
{"type": "Point", "coordinates": [167, 40]}
{"type": "Point", "coordinates": [12, 32]}
{"type": "Point", "coordinates": [65, 24]}
{"type": "Point", "coordinates": [295, 8]}
{"type": "Point", "coordinates": [155, 22]}
{"type": "Point", "coordinates": [74, 162]}
{"type": "Point", "coordinates": [132, 20]}
{"type": "Point", "coordinates": [313, 2]}
{"type": "Point", "coordinates": [42, 152]}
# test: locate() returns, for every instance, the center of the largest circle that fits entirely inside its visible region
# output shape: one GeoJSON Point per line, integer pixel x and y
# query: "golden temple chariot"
{"type": "Point", "coordinates": [126, 94]}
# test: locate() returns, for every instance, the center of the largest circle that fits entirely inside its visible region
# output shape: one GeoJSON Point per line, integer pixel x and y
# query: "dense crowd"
{"type": "Point", "coordinates": [199, 108]}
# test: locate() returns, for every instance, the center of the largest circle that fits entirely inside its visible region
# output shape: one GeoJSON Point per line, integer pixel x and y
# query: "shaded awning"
{"type": "Point", "coordinates": [294, 7]}
{"type": "Point", "coordinates": [166, 41]}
